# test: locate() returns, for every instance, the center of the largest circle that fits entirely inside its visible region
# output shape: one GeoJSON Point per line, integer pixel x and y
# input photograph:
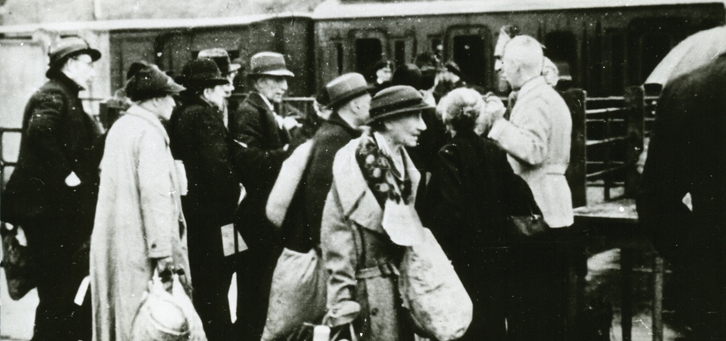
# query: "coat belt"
{"type": "Point", "coordinates": [559, 169]}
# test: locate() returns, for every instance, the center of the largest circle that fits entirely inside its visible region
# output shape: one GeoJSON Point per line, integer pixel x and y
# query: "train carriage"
{"type": "Point", "coordinates": [603, 45]}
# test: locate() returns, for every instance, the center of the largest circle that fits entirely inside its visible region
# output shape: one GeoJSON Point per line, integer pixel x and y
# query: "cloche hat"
{"type": "Point", "coordinates": [345, 88]}
{"type": "Point", "coordinates": [200, 74]}
{"type": "Point", "coordinates": [269, 63]}
{"type": "Point", "coordinates": [146, 81]}
{"type": "Point", "coordinates": [396, 100]}
{"type": "Point", "coordinates": [221, 57]}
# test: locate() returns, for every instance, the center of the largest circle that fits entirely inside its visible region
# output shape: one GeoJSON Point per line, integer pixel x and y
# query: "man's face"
{"type": "Point", "coordinates": [82, 70]}
{"type": "Point", "coordinates": [384, 74]}
{"type": "Point", "coordinates": [510, 69]}
{"type": "Point", "coordinates": [228, 88]}
{"type": "Point", "coordinates": [216, 95]}
{"type": "Point", "coordinates": [362, 108]}
{"type": "Point", "coordinates": [405, 129]}
{"type": "Point", "coordinates": [272, 87]}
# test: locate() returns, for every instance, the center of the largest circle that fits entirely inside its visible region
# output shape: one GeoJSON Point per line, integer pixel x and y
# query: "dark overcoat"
{"type": "Point", "coordinates": [473, 190]}
{"type": "Point", "coordinates": [199, 138]}
{"type": "Point", "coordinates": [687, 155]}
{"type": "Point", "coordinates": [259, 161]}
{"type": "Point", "coordinates": [58, 138]}
{"type": "Point", "coordinates": [302, 225]}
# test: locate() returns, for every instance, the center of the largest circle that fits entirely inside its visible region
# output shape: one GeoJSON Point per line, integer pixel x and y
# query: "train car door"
{"type": "Point", "coordinates": [471, 48]}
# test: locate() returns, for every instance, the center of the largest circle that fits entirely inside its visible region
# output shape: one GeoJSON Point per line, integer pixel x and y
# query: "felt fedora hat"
{"type": "Point", "coordinates": [147, 81]}
{"type": "Point", "coordinates": [345, 88]}
{"type": "Point", "coordinates": [65, 48]}
{"type": "Point", "coordinates": [202, 73]}
{"type": "Point", "coordinates": [221, 57]}
{"type": "Point", "coordinates": [396, 100]}
{"type": "Point", "coordinates": [270, 64]}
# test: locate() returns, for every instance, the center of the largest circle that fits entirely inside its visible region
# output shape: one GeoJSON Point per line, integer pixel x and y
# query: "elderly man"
{"type": "Point", "coordinates": [199, 138]}
{"type": "Point", "coordinates": [229, 70]}
{"type": "Point", "coordinates": [265, 138]}
{"type": "Point", "coordinates": [52, 192]}
{"type": "Point", "coordinates": [537, 141]}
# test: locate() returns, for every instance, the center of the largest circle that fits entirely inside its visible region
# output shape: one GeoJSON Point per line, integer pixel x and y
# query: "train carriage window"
{"type": "Point", "coordinates": [561, 48]}
{"type": "Point", "coordinates": [399, 52]}
{"type": "Point", "coordinates": [368, 51]}
{"type": "Point", "coordinates": [339, 57]}
{"type": "Point", "coordinates": [468, 52]}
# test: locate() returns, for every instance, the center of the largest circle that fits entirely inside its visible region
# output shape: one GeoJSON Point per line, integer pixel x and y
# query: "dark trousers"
{"type": "Point", "coordinates": [538, 284]}
{"type": "Point", "coordinates": [61, 264]}
{"type": "Point", "coordinates": [211, 279]}
{"type": "Point", "coordinates": [254, 278]}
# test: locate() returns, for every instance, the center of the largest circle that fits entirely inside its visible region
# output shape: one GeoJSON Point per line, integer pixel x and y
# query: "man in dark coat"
{"type": "Point", "coordinates": [199, 138]}
{"type": "Point", "coordinates": [265, 138]}
{"type": "Point", "coordinates": [350, 101]}
{"type": "Point", "coordinates": [686, 156]}
{"type": "Point", "coordinates": [52, 192]}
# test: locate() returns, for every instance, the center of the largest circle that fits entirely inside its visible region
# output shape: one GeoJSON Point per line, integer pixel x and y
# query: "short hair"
{"type": "Point", "coordinates": [461, 109]}
{"type": "Point", "coordinates": [526, 52]}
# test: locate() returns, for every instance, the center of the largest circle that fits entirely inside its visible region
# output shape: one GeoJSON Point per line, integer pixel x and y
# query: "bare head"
{"type": "Point", "coordinates": [522, 60]}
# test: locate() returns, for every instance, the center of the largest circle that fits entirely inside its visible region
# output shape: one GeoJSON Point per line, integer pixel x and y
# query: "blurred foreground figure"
{"type": "Point", "coordinates": [52, 192]}
{"type": "Point", "coordinates": [139, 224]}
{"type": "Point", "coordinates": [686, 157]}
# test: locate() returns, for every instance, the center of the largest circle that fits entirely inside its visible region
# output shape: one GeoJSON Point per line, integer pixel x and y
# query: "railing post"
{"type": "Point", "coordinates": [576, 100]}
{"type": "Point", "coordinates": [658, 270]}
{"type": "Point", "coordinates": [635, 103]}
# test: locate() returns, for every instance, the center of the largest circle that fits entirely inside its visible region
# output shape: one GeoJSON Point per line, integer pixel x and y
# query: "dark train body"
{"type": "Point", "coordinates": [604, 46]}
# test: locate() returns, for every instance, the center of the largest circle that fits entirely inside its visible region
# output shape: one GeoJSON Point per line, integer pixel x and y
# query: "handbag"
{"type": "Point", "coordinates": [167, 315]}
{"type": "Point", "coordinates": [17, 261]}
{"type": "Point", "coordinates": [527, 226]}
{"type": "Point", "coordinates": [286, 184]}
{"type": "Point", "coordinates": [298, 293]}
{"type": "Point", "coordinates": [431, 290]}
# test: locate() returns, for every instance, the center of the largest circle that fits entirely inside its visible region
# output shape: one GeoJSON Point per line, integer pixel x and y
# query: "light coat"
{"type": "Point", "coordinates": [138, 218]}
{"type": "Point", "coordinates": [537, 141]}
{"type": "Point", "coordinates": [359, 255]}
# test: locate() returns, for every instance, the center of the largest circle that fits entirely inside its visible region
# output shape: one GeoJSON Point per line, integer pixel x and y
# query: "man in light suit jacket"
{"type": "Point", "coordinates": [537, 141]}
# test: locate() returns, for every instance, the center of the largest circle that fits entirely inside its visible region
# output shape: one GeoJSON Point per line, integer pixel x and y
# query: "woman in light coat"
{"type": "Point", "coordinates": [139, 225]}
{"type": "Point", "coordinates": [373, 179]}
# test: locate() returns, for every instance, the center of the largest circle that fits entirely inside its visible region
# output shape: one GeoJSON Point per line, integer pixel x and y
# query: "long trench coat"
{"type": "Point", "coordinates": [358, 254]}
{"type": "Point", "coordinates": [138, 218]}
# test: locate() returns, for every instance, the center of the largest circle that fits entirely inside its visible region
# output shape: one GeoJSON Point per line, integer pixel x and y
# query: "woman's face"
{"type": "Point", "coordinates": [405, 129]}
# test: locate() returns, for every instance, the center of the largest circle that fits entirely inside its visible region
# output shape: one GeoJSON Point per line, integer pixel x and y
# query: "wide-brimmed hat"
{"type": "Point", "coordinates": [147, 81]}
{"type": "Point", "coordinates": [407, 74]}
{"type": "Point", "coordinates": [396, 100]}
{"type": "Point", "coordinates": [221, 57]}
{"type": "Point", "coordinates": [200, 74]}
{"type": "Point", "coordinates": [64, 48]}
{"type": "Point", "coordinates": [270, 64]}
{"type": "Point", "coordinates": [345, 88]}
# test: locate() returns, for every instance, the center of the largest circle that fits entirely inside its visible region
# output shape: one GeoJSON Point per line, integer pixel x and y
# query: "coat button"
{"type": "Point", "coordinates": [374, 311]}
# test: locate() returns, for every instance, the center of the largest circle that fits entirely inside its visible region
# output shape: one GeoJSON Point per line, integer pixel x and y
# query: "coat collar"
{"type": "Point", "coordinates": [531, 86]}
{"type": "Point", "coordinates": [150, 117]}
{"type": "Point", "coordinates": [358, 202]}
{"type": "Point", "coordinates": [60, 77]}
{"type": "Point", "coordinates": [257, 100]}
{"type": "Point", "coordinates": [339, 121]}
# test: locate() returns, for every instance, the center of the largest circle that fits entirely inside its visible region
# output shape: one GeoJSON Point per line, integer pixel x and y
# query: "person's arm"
{"type": "Point", "coordinates": [251, 157]}
{"type": "Point", "coordinates": [158, 210]}
{"type": "Point", "coordinates": [526, 137]}
{"type": "Point", "coordinates": [340, 261]}
{"type": "Point", "coordinates": [44, 123]}
{"type": "Point", "coordinates": [446, 196]}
